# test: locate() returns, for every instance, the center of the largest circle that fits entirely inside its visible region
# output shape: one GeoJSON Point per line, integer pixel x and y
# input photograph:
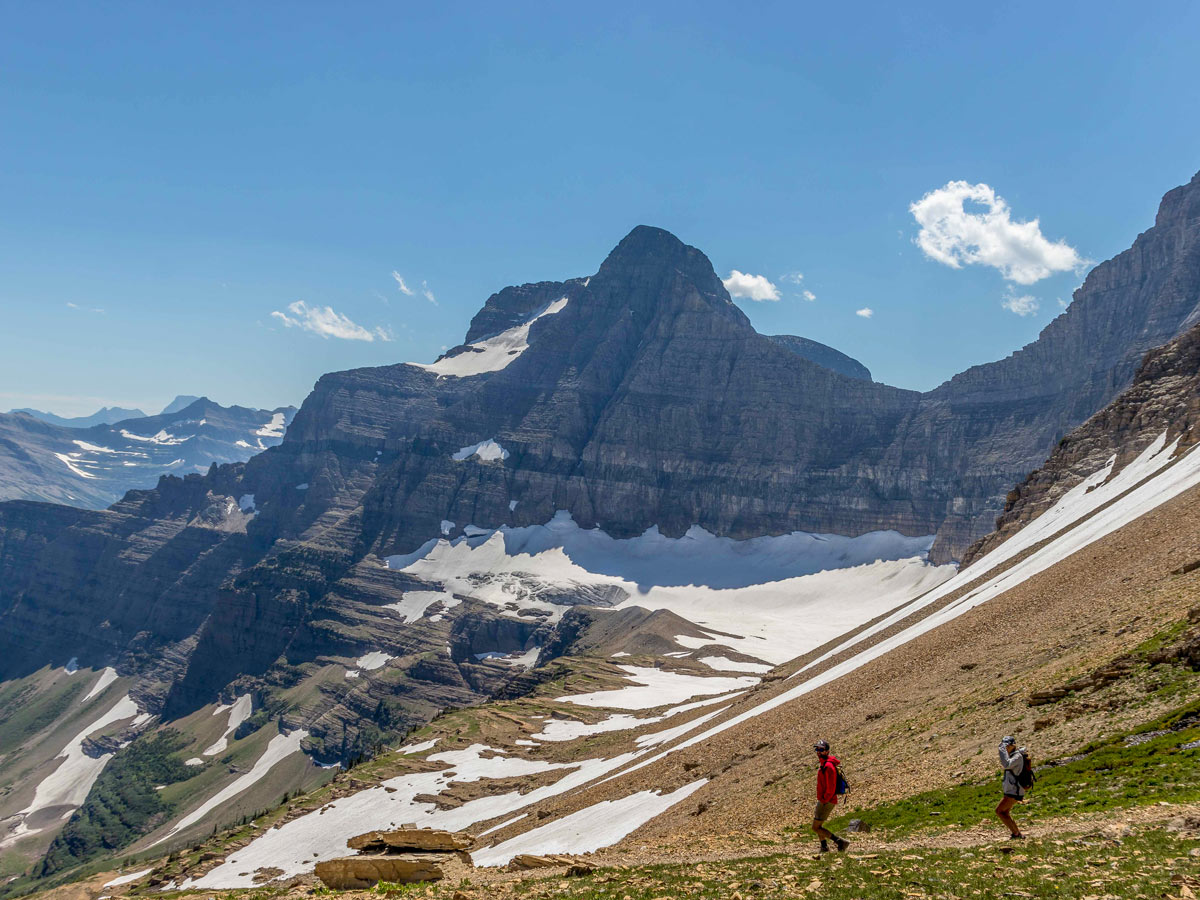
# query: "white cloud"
{"type": "Point", "coordinates": [1025, 305]}
{"type": "Point", "coordinates": [323, 321]}
{"type": "Point", "coordinates": [810, 296]}
{"type": "Point", "coordinates": [1063, 304]}
{"type": "Point", "coordinates": [955, 235]}
{"type": "Point", "coordinates": [793, 277]}
{"type": "Point", "coordinates": [866, 312]}
{"type": "Point", "coordinates": [750, 287]}
{"type": "Point", "coordinates": [404, 288]}
{"type": "Point", "coordinates": [93, 309]}
{"type": "Point", "coordinates": [427, 293]}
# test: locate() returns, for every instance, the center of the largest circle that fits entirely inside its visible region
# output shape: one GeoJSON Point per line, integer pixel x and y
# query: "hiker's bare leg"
{"type": "Point", "coordinates": [818, 827]}
{"type": "Point", "coordinates": [1003, 812]}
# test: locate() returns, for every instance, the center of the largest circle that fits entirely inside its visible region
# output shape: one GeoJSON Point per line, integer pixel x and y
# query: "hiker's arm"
{"type": "Point", "coordinates": [1007, 760]}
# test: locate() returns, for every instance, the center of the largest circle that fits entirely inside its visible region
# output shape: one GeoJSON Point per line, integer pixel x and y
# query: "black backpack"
{"type": "Point", "coordinates": [1026, 779]}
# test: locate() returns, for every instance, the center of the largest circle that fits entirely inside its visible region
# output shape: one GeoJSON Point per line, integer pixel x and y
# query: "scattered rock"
{"type": "Point", "coordinates": [859, 826]}
{"type": "Point", "coordinates": [533, 861]}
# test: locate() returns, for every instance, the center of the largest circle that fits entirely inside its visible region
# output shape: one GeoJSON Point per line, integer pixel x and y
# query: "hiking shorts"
{"type": "Point", "coordinates": [823, 811]}
{"type": "Point", "coordinates": [1016, 797]}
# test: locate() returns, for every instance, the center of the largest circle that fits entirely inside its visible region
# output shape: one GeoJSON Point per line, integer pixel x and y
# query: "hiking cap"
{"type": "Point", "coordinates": [1008, 739]}
{"type": "Point", "coordinates": [821, 745]}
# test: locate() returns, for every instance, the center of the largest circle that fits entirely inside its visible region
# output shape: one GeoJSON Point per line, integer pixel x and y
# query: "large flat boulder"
{"type": "Point", "coordinates": [405, 839]}
{"type": "Point", "coordinates": [367, 870]}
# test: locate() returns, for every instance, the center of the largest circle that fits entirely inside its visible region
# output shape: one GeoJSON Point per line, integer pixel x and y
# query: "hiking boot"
{"type": "Point", "coordinates": [842, 844]}
{"type": "Point", "coordinates": [821, 851]}
{"type": "Point", "coordinates": [1016, 837]}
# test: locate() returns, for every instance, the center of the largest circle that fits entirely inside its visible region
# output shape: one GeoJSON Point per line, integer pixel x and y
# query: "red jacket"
{"type": "Point", "coordinates": [827, 780]}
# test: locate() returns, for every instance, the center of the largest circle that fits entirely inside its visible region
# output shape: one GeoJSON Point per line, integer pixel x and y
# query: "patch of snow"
{"type": "Point", "coordinates": [241, 443]}
{"type": "Point", "coordinates": [570, 729]}
{"type": "Point", "coordinates": [69, 784]}
{"type": "Point", "coordinates": [127, 879]}
{"type": "Point", "coordinates": [163, 438]}
{"type": "Point", "coordinates": [492, 354]}
{"type": "Point", "coordinates": [107, 677]}
{"type": "Point", "coordinates": [592, 828]}
{"type": "Point", "coordinates": [487, 451]}
{"type": "Point", "coordinates": [475, 531]}
{"type": "Point", "coordinates": [413, 604]}
{"type": "Point", "coordinates": [272, 429]}
{"type": "Point", "coordinates": [239, 712]}
{"type": "Point", "coordinates": [512, 504]}
{"type": "Point", "coordinates": [72, 665]}
{"type": "Point", "coordinates": [246, 503]}
{"type": "Point", "coordinates": [447, 527]}
{"type": "Point", "coordinates": [92, 448]}
{"type": "Point", "coordinates": [70, 464]}
{"type": "Point", "coordinates": [280, 747]}
{"type": "Point", "coordinates": [373, 660]}
{"type": "Point", "coordinates": [723, 664]}
{"type": "Point", "coordinates": [619, 654]}
{"type": "Point", "coordinates": [194, 761]}
{"type": "Point", "coordinates": [419, 748]}
{"type": "Point", "coordinates": [656, 687]}
{"type": "Point", "coordinates": [521, 742]}
{"type": "Point", "coordinates": [353, 673]}
{"type": "Point", "coordinates": [302, 487]}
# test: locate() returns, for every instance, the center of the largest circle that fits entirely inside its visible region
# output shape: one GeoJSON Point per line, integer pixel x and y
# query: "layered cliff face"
{"type": "Point", "coordinates": [94, 465]}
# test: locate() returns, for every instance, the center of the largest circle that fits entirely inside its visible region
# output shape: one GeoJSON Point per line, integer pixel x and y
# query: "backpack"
{"type": "Point", "coordinates": [1026, 779]}
{"type": "Point", "coordinates": [843, 786]}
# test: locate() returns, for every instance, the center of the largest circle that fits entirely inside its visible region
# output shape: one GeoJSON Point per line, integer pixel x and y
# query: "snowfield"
{"type": "Point", "coordinates": [769, 598]}
{"type": "Point", "coordinates": [492, 354]}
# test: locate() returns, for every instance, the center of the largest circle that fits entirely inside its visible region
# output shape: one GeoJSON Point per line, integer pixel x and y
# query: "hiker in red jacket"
{"type": "Point", "coordinates": [827, 780]}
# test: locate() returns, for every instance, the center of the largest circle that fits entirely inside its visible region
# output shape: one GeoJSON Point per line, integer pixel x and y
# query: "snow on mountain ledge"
{"type": "Point", "coordinates": [487, 451]}
{"type": "Point", "coordinates": [492, 354]}
{"type": "Point", "coordinates": [769, 598]}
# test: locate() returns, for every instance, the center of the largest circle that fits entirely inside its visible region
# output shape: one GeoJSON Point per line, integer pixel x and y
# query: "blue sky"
{"type": "Point", "coordinates": [172, 176]}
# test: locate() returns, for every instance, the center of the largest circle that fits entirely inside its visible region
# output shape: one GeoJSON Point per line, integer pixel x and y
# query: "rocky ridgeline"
{"type": "Point", "coordinates": [1164, 397]}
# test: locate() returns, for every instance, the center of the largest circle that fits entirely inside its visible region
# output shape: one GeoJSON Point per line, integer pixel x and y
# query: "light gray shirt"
{"type": "Point", "coordinates": [1012, 763]}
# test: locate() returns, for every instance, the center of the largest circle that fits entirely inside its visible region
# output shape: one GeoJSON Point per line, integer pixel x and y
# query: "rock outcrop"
{"type": "Point", "coordinates": [401, 856]}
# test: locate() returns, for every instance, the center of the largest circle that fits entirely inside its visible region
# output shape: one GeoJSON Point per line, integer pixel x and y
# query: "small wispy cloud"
{"type": "Point", "coordinates": [809, 296]}
{"type": "Point", "coordinates": [427, 293]}
{"type": "Point", "coordinates": [324, 322]}
{"type": "Point", "coordinates": [750, 287]}
{"type": "Point", "coordinates": [404, 288]}
{"type": "Point", "coordinates": [1024, 305]}
{"type": "Point", "coordinates": [91, 309]}
{"type": "Point", "coordinates": [793, 277]}
{"type": "Point", "coordinates": [985, 234]}
{"type": "Point", "coordinates": [866, 312]}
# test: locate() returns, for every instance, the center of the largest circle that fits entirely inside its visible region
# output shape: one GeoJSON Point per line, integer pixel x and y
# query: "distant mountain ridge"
{"type": "Point", "coordinates": [94, 466]}
{"type": "Point", "coordinates": [106, 415]}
